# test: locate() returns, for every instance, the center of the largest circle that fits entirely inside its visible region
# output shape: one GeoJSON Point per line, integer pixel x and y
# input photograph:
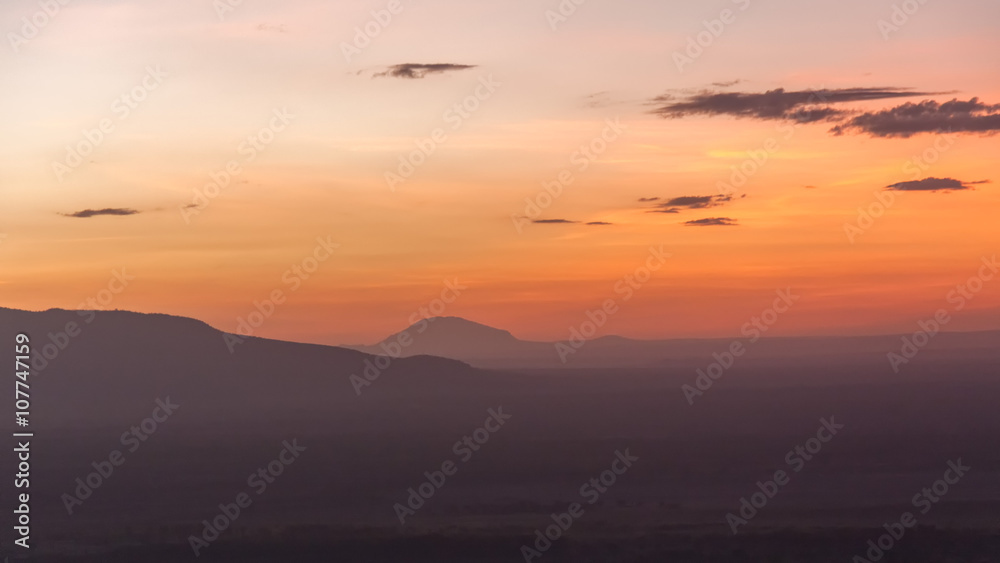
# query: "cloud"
{"type": "Point", "coordinates": [712, 222]}
{"type": "Point", "coordinates": [647, 199]}
{"type": "Point", "coordinates": [87, 213]}
{"type": "Point", "coordinates": [675, 205]}
{"type": "Point", "coordinates": [415, 70]}
{"type": "Point", "coordinates": [281, 28]}
{"type": "Point", "coordinates": [599, 223]}
{"type": "Point", "coordinates": [803, 106]}
{"type": "Point", "coordinates": [696, 201]}
{"type": "Point", "coordinates": [727, 84]}
{"type": "Point", "coordinates": [933, 185]}
{"type": "Point", "coordinates": [552, 221]}
{"type": "Point", "coordinates": [598, 100]}
{"type": "Point", "coordinates": [927, 116]}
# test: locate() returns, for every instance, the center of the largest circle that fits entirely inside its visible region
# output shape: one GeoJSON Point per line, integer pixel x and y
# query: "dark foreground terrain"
{"type": "Point", "coordinates": [929, 545]}
{"type": "Point", "coordinates": [341, 495]}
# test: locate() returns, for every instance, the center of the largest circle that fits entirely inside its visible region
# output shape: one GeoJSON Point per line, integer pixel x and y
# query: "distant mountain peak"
{"type": "Point", "coordinates": [458, 327]}
{"type": "Point", "coordinates": [449, 337]}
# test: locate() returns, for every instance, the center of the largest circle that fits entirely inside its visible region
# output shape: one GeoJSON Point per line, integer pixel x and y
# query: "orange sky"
{"type": "Point", "coordinates": [222, 78]}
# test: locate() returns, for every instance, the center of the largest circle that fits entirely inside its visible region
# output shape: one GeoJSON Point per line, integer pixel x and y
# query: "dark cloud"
{"type": "Point", "coordinates": [552, 221]}
{"type": "Point", "coordinates": [712, 222]}
{"type": "Point", "coordinates": [727, 84]}
{"type": "Point", "coordinates": [933, 185]}
{"type": "Point", "coordinates": [695, 201]}
{"type": "Point", "coordinates": [648, 199]}
{"type": "Point", "coordinates": [803, 106]}
{"type": "Point", "coordinates": [599, 223]}
{"type": "Point", "coordinates": [415, 70]}
{"type": "Point", "coordinates": [87, 213]}
{"type": "Point", "coordinates": [675, 205]}
{"type": "Point", "coordinates": [927, 116]}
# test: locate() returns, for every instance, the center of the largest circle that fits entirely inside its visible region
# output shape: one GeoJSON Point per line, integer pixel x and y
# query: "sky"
{"type": "Point", "coordinates": [637, 115]}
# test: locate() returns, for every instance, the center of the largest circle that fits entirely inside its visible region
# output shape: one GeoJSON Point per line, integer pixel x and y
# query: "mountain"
{"type": "Point", "coordinates": [449, 337]}
{"type": "Point", "coordinates": [487, 347]}
{"type": "Point", "coordinates": [99, 367]}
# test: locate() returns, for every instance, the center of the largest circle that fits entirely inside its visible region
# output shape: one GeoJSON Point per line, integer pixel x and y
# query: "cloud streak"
{"type": "Point", "coordinates": [803, 106]}
{"type": "Point", "coordinates": [933, 185]}
{"type": "Point", "coordinates": [712, 222]}
{"type": "Point", "coordinates": [88, 213]}
{"type": "Point", "coordinates": [812, 106]}
{"type": "Point", "coordinates": [415, 71]}
{"type": "Point", "coordinates": [677, 204]}
{"type": "Point", "coordinates": [927, 116]}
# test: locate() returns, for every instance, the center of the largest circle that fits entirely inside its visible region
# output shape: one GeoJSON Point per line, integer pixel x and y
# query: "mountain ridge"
{"type": "Point", "coordinates": [492, 347]}
{"type": "Point", "coordinates": [483, 346]}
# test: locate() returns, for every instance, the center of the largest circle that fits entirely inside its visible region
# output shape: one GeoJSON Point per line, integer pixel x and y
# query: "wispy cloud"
{"type": "Point", "coordinates": [804, 106]}
{"type": "Point", "coordinates": [928, 116]}
{"type": "Point", "coordinates": [933, 185]}
{"type": "Point", "coordinates": [87, 213]}
{"type": "Point", "coordinates": [280, 28]}
{"type": "Point", "coordinates": [712, 222]}
{"type": "Point", "coordinates": [417, 70]}
{"type": "Point", "coordinates": [677, 204]}
{"type": "Point", "coordinates": [811, 106]}
{"type": "Point", "coordinates": [552, 221]}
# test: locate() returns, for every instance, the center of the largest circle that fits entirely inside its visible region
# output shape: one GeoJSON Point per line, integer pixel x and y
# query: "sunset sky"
{"type": "Point", "coordinates": [844, 104]}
